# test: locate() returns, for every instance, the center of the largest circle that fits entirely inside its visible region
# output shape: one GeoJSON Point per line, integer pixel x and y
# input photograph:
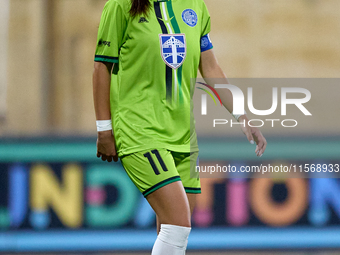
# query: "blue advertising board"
{"type": "Point", "coordinates": [57, 196]}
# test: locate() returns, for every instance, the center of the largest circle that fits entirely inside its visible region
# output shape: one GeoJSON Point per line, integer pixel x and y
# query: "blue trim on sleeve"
{"type": "Point", "coordinates": [206, 43]}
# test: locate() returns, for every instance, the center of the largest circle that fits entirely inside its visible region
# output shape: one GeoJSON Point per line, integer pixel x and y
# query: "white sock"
{"type": "Point", "coordinates": [171, 240]}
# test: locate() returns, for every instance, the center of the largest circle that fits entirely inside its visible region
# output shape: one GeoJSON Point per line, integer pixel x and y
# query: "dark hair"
{"type": "Point", "coordinates": [139, 7]}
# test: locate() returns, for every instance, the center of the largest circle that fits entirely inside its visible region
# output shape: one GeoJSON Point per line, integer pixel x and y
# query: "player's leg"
{"type": "Point", "coordinates": [192, 203]}
{"type": "Point", "coordinates": [186, 164]}
{"type": "Point", "coordinates": [172, 209]}
{"type": "Point", "coordinates": [171, 205]}
{"type": "Point", "coordinates": [155, 175]}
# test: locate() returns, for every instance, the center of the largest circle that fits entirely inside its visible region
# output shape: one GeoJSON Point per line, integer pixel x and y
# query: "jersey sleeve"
{"type": "Point", "coordinates": [206, 25]}
{"type": "Point", "coordinates": [111, 32]}
{"type": "Point", "coordinates": [206, 43]}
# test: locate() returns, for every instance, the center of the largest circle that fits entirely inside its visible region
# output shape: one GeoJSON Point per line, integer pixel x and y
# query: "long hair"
{"type": "Point", "coordinates": [139, 7]}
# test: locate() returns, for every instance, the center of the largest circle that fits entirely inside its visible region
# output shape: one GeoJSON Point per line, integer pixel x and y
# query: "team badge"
{"type": "Point", "coordinates": [204, 42]}
{"type": "Point", "coordinates": [189, 16]}
{"type": "Point", "coordinates": [173, 49]}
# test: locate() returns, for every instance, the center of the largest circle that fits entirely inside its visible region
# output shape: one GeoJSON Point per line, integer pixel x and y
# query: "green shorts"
{"type": "Point", "coordinates": [152, 169]}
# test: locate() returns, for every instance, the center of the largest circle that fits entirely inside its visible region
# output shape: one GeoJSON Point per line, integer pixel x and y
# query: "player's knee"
{"type": "Point", "coordinates": [184, 220]}
{"type": "Point", "coordinates": [186, 224]}
{"type": "Point", "coordinates": [174, 235]}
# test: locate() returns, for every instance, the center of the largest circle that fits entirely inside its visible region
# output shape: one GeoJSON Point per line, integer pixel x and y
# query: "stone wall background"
{"type": "Point", "coordinates": [51, 46]}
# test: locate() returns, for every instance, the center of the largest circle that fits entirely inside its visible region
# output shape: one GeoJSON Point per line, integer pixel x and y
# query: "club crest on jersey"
{"type": "Point", "coordinates": [173, 49]}
{"type": "Point", "coordinates": [189, 16]}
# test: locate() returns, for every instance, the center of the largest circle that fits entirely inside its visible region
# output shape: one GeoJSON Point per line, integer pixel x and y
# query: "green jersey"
{"type": "Point", "coordinates": [155, 56]}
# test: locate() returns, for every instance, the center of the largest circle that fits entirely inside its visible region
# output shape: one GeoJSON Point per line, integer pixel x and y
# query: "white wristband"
{"type": "Point", "coordinates": [238, 116]}
{"type": "Point", "coordinates": [104, 125]}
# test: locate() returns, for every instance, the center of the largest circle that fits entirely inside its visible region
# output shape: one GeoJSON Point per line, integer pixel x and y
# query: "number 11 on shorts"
{"type": "Point", "coordinates": [152, 162]}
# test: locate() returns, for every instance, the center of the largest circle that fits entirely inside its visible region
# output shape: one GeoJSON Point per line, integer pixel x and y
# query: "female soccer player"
{"type": "Point", "coordinates": [147, 52]}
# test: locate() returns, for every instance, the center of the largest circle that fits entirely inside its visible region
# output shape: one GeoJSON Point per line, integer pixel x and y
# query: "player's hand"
{"type": "Point", "coordinates": [106, 146]}
{"type": "Point", "coordinates": [254, 135]}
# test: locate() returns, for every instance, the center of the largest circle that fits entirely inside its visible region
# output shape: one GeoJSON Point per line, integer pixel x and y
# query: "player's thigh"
{"type": "Point", "coordinates": [171, 205]}
{"type": "Point", "coordinates": [192, 198]}
{"type": "Point", "coordinates": [155, 174]}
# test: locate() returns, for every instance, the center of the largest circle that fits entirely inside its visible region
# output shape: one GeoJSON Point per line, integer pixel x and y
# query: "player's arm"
{"type": "Point", "coordinates": [210, 70]}
{"type": "Point", "coordinates": [101, 94]}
